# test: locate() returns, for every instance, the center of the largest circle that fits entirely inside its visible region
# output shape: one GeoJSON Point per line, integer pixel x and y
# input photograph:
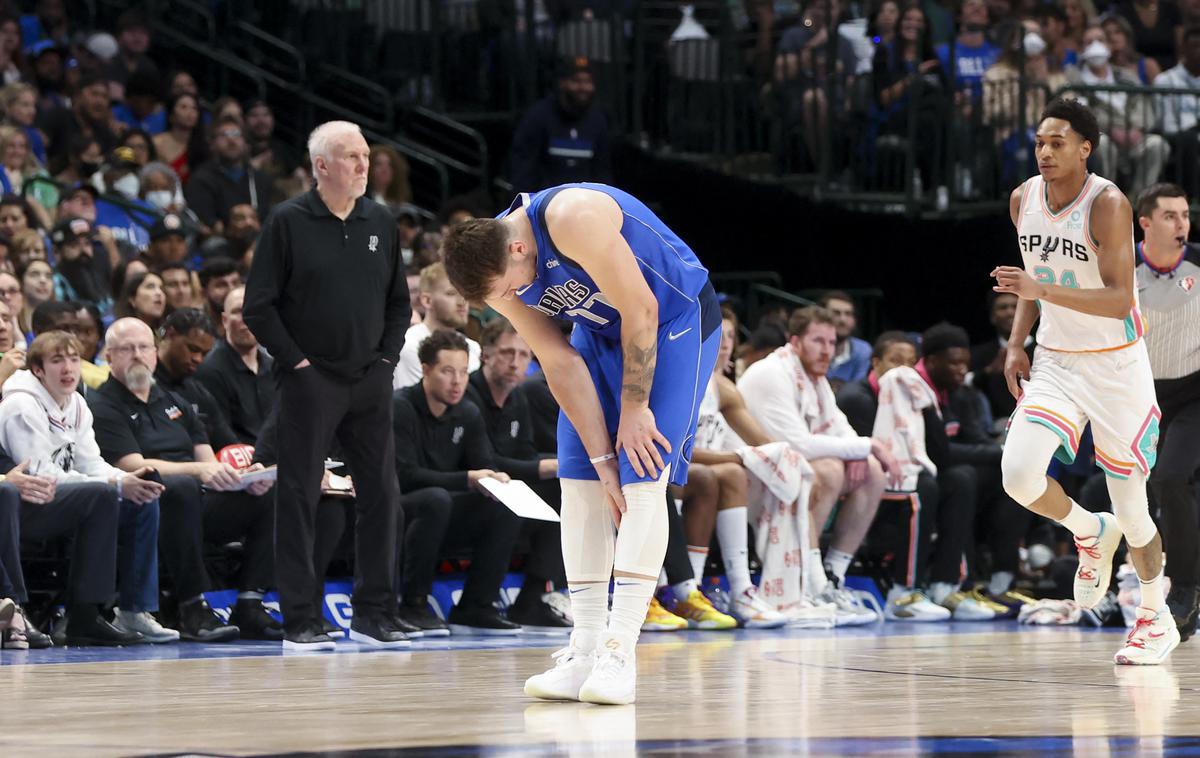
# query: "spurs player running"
{"type": "Point", "coordinates": [1075, 232]}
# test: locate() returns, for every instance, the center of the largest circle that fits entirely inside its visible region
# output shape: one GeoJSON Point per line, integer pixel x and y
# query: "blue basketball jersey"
{"type": "Point", "coordinates": [564, 290]}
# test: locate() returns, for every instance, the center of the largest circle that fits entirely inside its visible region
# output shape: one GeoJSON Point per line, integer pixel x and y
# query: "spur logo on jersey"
{"type": "Point", "coordinates": [572, 298]}
{"type": "Point", "coordinates": [1046, 246]}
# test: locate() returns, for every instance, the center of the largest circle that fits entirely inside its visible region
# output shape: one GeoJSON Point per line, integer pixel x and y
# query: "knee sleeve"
{"type": "Point", "coordinates": [1132, 509]}
{"type": "Point", "coordinates": [587, 532]}
{"type": "Point", "coordinates": [1027, 453]}
{"type": "Point", "coordinates": [642, 538]}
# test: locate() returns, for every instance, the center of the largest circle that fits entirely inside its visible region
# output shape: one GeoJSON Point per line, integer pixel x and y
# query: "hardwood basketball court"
{"type": "Point", "coordinates": [891, 690]}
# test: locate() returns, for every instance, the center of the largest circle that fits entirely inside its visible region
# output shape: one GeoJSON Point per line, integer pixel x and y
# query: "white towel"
{"type": "Point", "coordinates": [899, 425]}
{"type": "Point", "coordinates": [778, 498]}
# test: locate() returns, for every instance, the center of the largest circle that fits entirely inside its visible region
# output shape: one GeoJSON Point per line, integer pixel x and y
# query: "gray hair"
{"type": "Point", "coordinates": [158, 167]}
{"type": "Point", "coordinates": [320, 142]}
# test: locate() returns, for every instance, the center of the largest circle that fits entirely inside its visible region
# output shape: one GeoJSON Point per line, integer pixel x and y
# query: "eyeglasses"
{"type": "Point", "coordinates": [131, 349]}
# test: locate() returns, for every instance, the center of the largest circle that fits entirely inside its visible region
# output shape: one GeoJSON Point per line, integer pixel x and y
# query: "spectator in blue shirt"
{"type": "Point", "coordinates": [973, 52]}
{"type": "Point", "coordinates": [143, 107]}
{"type": "Point", "coordinates": [852, 360]}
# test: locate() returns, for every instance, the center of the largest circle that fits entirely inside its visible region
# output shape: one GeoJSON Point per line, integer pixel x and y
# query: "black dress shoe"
{"type": "Point", "coordinates": [484, 620]}
{"type": "Point", "coordinates": [254, 621]}
{"type": "Point", "coordinates": [308, 637]}
{"type": "Point", "coordinates": [422, 616]}
{"type": "Point", "coordinates": [1181, 601]}
{"type": "Point", "coordinates": [86, 627]}
{"type": "Point", "coordinates": [538, 617]}
{"type": "Point", "coordinates": [377, 630]}
{"type": "Point", "coordinates": [334, 631]}
{"type": "Point", "coordinates": [198, 623]}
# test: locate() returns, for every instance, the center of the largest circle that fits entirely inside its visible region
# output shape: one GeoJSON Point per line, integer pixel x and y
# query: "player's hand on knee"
{"type": "Point", "coordinates": [610, 479]}
{"type": "Point", "coordinates": [637, 434]}
{"type": "Point", "coordinates": [1016, 368]}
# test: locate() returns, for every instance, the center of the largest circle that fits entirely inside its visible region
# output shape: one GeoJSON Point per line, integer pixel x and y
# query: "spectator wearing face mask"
{"type": "Point", "coordinates": [1126, 145]}
{"type": "Point", "coordinates": [130, 218]}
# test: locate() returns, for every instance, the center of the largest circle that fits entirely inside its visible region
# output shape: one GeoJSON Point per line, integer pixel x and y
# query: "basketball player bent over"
{"type": "Point", "coordinates": [647, 327]}
{"type": "Point", "coordinates": [1075, 231]}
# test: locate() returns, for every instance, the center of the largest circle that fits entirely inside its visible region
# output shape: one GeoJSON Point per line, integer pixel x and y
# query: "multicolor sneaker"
{"type": "Point", "coordinates": [700, 613]}
{"type": "Point", "coordinates": [1014, 600]}
{"type": "Point", "coordinates": [963, 606]}
{"type": "Point", "coordinates": [1096, 561]}
{"type": "Point", "coordinates": [754, 612]}
{"type": "Point", "coordinates": [1001, 610]}
{"type": "Point", "coordinates": [1151, 639]}
{"type": "Point", "coordinates": [915, 606]}
{"type": "Point", "coordinates": [659, 619]}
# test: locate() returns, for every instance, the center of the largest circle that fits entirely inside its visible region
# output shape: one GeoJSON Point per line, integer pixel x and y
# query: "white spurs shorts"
{"type": "Point", "coordinates": [1114, 390]}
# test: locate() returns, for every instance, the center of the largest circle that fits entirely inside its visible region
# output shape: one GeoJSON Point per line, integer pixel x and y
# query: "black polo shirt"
{"type": "Point", "coordinates": [165, 427]}
{"type": "Point", "coordinates": [437, 452]}
{"type": "Point", "coordinates": [205, 408]}
{"type": "Point", "coordinates": [329, 290]}
{"type": "Point", "coordinates": [543, 413]}
{"type": "Point", "coordinates": [509, 429]}
{"type": "Point", "coordinates": [245, 398]}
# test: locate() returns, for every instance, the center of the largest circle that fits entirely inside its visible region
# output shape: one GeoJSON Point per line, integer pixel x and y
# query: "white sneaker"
{"type": "Point", "coordinates": [752, 612]}
{"type": "Point", "coordinates": [963, 607]}
{"type": "Point", "coordinates": [1095, 562]}
{"type": "Point", "coordinates": [144, 624]}
{"type": "Point", "coordinates": [613, 680]}
{"type": "Point", "coordinates": [1151, 639]}
{"type": "Point", "coordinates": [850, 609]}
{"type": "Point", "coordinates": [811, 614]}
{"type": "Point", "coordinates": [915, 606]}
{"type": "Point", "coordinates": [572, 666]}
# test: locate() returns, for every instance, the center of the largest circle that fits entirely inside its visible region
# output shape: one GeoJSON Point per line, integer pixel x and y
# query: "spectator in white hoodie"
{"type": "Point", "coordinates": [45, 421]}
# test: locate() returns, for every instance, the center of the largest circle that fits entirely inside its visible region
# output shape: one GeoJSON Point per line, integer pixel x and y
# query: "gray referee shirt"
{"type": "Point", "coordinates": [1170, 302]}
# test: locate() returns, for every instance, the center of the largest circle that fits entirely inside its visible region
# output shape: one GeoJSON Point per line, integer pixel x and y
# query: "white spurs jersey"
{"type": "Point", "coordinates": [1058, 248]}
{"type": "Point", "coordinates": [712, 431]}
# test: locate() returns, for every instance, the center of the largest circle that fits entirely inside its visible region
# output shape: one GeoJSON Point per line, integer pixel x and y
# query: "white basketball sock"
{"type": "Point", "coordinates": [1152, 593]}
{"type": "Point", "coordinates": [589, 610]}
{"type": "Point", "coordinates": [1082, 523]}
{"type": "Point", "coordinates": [838, 561]}
{"type": "Point", "coordinates": [816, 571]}
{"type": "Point", "coordinates": [630, 601]}
{"type": "Point", "coordinates": [698, 556]}
{"type": "Point", "coordinates": [735, 553]}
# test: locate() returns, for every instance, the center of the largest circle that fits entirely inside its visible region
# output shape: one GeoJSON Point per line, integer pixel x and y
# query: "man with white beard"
{"type": "Point", "coordinates": [139, 424]}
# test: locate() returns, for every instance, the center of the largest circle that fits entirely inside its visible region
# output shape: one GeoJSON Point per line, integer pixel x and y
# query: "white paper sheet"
{"type": "Point", "coordinates": [519, 498]}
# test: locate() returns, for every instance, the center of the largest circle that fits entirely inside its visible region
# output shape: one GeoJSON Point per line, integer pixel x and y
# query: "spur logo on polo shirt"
{"type": "Point", "coordinates": [373, 243]}
{"type": "Point", "coordinates": [457, 436]}
{"type": "Point", "coordinates": [173, 413]}
{"type": "Point", "coordinates": [514, 429]}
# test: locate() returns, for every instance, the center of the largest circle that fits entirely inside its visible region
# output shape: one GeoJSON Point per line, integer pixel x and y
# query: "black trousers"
{"type": "Point", "coordinates": [1003, 521]}
{"type": "Point", "coordinates": [675, 562]}
{"type": "Point", "coordinates": [465, 520]}
{"type": "Point", "coordinates": [89, 513]}
{"type": "Point", "coordinates": [1171, 481]}
{"type": "Point", "coordinates": [314, 408]}
{"type": "Point", "coordinates": [545, 561]}
{"type": "Point", "coordinates": [12, 578]}
{"type": "Point", "coordinates": [190, 515]}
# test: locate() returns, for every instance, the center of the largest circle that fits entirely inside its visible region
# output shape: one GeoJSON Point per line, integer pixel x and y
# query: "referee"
{"type": "Point", "coordinates": [328, 298]}
{"type": "Point", "coordinates": [1168, 282]}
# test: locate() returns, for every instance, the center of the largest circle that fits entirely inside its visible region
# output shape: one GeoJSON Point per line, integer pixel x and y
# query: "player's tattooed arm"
{"type": "Point", "coordinates": [640, 360]}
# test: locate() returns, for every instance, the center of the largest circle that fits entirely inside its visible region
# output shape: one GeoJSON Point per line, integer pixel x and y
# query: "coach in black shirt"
{"type": "Point", "coordinates": [328, 298]}
{"type": "Point", "coordinates": [441, 444]}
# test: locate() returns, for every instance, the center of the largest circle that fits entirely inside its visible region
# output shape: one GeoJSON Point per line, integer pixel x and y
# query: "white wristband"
{"type": "Point", "coordinates": [602, 458]}
{"type": "Point", "coordinates": [120, 478]}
